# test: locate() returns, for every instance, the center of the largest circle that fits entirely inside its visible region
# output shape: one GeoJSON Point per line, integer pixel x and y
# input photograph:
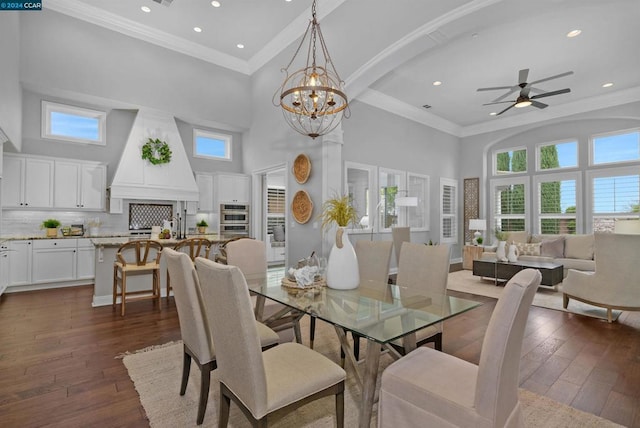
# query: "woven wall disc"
{"type": "Point", "coordinates": [301, 207]}
{"type": "Point", "coordinates": [302, 168]}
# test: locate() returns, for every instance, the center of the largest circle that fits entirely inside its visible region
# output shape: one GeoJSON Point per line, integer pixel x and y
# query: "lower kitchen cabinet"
{"type": "Point", "coordinates": [54, 260]}
{"type": "Point", "coordinates": [20, 262]}
{"type": "Point", "coordinates": [86, 263]}
{"type": "Point", "coordinates": [4, 267]}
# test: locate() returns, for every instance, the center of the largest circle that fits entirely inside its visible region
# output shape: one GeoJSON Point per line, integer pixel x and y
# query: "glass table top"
{"type": "Point", "coordinates": [379, 311]}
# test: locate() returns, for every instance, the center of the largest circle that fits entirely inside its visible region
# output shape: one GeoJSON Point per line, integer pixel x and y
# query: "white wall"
{"type": "Point", "coordinates": [10, 97]}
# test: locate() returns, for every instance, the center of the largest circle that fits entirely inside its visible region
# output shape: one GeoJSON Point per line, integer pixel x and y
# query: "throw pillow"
{"type": "Point", "coordinates": [518, 237]}
{"type": "Point", "coordinates": [278, 233]}
{"type": "Point", "coordinates": [528, 249]}
{"type": "Point", "coordinates": [552, 248]}
{"type": "Point", "coordinates": [579, 247]}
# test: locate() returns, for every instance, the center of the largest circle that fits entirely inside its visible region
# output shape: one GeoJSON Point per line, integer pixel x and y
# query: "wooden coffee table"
{"type": "Point", "coordinates": [503, 271]}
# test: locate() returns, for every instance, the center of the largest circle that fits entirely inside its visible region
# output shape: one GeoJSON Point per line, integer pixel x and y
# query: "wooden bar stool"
{"type": "Point", "coordinates": [136, 258]}
{"type": "Point", "coordinates": [193, 247]}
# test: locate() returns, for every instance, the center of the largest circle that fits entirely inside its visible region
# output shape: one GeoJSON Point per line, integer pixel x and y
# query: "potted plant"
{"type": "Point", "coordinates": [342, 267]}
{"type": "Point", "coordinates": [202, 226]}
{"type": "Point", "coordinates": [51, 225]}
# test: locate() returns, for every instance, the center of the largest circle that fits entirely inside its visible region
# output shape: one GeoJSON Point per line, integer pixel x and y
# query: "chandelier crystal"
{"type": "Point", "coordinates": [312, 98]}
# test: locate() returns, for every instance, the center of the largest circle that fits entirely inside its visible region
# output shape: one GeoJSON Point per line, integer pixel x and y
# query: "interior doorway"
{"type": "Point", "coordinates": [273, 213]}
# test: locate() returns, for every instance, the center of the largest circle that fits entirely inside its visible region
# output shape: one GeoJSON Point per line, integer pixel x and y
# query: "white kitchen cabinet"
{"type": "Point", "coordinates": [20, 261]}
{"type": "Point", "coordinates": [205, 187]}
{"type": "Point", "coordinates": [54, 260]}
{"type": "Point", "coordinates": [232, 188]}
{"type": "Point", "coordinates": [4, 267]}
{"type": "Point", "coordinates": [27, 182]}
{"type": "Point", "coordinates": [79, 185]}
{"type": "Point", "coordinates": [86, 264]}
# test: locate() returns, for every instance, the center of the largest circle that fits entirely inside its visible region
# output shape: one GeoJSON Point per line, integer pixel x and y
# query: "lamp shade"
{"type": "Point", "coordinates": [477, 224]}
{"type": "Point", "coordinates": [407, 201]}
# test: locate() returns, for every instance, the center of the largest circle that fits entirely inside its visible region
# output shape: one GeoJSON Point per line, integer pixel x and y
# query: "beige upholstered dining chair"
{"type": "Point", "coordinates": [194, 247]}
{"type": "Point", "coordinates": [424, 268]}
{"type": "Point", "coordinates": [194, 326]}
{"type": "Point", "coordinates": [400, 235]}
{"type": "Point", "coordinates": [136, 258]}
{"type": "Point", "coordinates": [250, 256]}
{"type": "Point", "coordinates": [260, 383]}
{"type": "Point", "coordinates": [430, 388]}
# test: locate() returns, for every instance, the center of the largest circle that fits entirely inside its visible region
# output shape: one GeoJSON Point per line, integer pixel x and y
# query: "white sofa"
{"type": "Point", "coordinates": [571, 251]}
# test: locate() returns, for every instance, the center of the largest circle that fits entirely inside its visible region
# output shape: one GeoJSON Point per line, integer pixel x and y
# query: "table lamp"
{"type": "Point", "coordinates": [477, 224]}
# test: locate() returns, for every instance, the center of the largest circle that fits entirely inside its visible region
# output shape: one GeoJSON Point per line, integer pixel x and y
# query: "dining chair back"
{"type": "Point", "coordinates": [136, 258]}
{"type": "Point", "coordinates": [400, 235]}
{"type": "Point", "coordinates": [428, 387]}
{"type": "Point", "coordinates": [193, 247]}
{"type": "Point", "coordinates": [283, 377]}
{"type": "Point", "coordinates": [373, 260]}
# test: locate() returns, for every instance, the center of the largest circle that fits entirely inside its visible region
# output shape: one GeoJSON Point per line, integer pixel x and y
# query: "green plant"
{"type": "Point", "coordinates": [156, 151]}
{"type": "Point", "coordinates": [479, 240]}
{"type": "Point", "coordinates": [202, 223]}
{"type": "Point", "coordinates": [500, 235]}
{"type": "Point", "coordinates": [338, 210]}
{"type": "Point", "coordinates": [50, 223]}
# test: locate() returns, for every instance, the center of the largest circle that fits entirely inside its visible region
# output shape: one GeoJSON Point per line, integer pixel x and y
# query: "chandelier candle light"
{"type": "Point", "coordinates": [312, 99]}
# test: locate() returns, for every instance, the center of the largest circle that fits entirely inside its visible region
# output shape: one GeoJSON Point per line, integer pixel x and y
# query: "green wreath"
{"type": "Point", "coordinates": [157, 152]}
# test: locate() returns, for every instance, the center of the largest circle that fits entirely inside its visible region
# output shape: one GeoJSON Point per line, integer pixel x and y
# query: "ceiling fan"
{"type": "Point", "coordinates": [526, 88]}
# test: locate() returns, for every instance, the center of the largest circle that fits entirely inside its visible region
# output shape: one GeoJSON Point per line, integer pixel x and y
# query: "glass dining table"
{"type": "Point", "coordinates": [379, 312]}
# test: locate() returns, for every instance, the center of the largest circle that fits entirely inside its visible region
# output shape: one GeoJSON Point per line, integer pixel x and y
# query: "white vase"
{"type": "Point", "coordinates": [513, 253]}
{"type": "Point", "coordinates": [342, 267]}
{"type": "Point", "coordinates": [501, 252]}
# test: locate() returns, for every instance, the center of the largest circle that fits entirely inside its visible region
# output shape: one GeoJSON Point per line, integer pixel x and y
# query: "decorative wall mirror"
{"type": "Point", "coordinates": [359, 180]}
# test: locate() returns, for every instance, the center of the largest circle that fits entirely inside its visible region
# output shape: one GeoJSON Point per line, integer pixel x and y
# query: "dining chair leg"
{"type": "Point", "coordinates": [124, 293]}
{"type": "Point", "coordinates": [356, 345]}
{"type": "Point", "coordinates": [205, 381]}
{"type": "Point", "coordinates": [340, 409]}
{"type": "Point", "coordinates": [186, 368]}
{"type": "Point", "coordinates": [115, 285]}
{"type": "Point", "coordinates": [225, 403]}
{"type": "Point", "coordinates": [312, 331]}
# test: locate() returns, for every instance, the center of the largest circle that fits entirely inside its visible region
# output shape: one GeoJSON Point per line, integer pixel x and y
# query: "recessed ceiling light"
{"type": "Point", "coordinates": [197, 29]}
{"type": "Point", "coordinates": [437, 83]}
{"type": "Point", "coordinates": [146, 9]}
{"type": "Point", "coordinates": [240, 46]}
{"type": "Point", "coordinates": [607, 85]}
{"type": "Point", "coordinates": [574, 33]}
{"type": "Point", "coordinates": [493, 113]}
{"type": "Point", "coordinates": [215, 3]}
{"type": "Point", "coordinates": [287, 1]}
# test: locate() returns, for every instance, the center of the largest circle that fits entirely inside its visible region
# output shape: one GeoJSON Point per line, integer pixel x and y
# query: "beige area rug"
{"type": "Point", "coordinates": [466, 282]}
{"type": "Point", "coordinates": [156, 375]}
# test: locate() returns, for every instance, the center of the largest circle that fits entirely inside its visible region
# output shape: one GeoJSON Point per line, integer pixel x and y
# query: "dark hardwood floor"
{"type": "Point", "coordinates": [58, 364]}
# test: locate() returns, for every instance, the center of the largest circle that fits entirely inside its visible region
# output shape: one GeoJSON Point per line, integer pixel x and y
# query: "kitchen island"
{"type": "Point", "coordinates": [105, 256]}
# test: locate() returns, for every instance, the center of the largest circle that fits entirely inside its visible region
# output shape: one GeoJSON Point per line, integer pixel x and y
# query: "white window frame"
{"type": "Point", "coordinates": [372, 189]}
{"type": "Point", "coordinates": [423, 202]}
{"type": "Point", "coordinates": [228, 142]}
{"type": "Point", "coordinates": [49, 107]}
{"type": "Point", "coordinates": [537, 206]}
{"type": "Point", "coordinates": [494, 159]}
{"type": "Point", "coordinates": [609, 134]}
{"type": "Point", "coordinates": [449, 182]}
{"type": "Point", "coordinates": [539, 147]}
{"type": "Point", "coordinates": [402, 190]}
{"type": "Point", "coordinates": [508, 181]}
{"type": "Point", "coordinates": [600, 173]}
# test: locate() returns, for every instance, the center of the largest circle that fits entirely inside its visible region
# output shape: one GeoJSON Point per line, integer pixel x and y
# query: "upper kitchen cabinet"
{"type": "Point", "coordinates": [232, 188]}
{"type": "Point", "coordinates": [79, 185]}
{"type": "Point", "coordinates": [27, 182]}
{"type": "Point", "coordinates": [205, 187]}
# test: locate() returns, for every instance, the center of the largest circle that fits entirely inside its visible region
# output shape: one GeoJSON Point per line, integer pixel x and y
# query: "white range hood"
{"type": "Point", "coordinates": [137, 178]}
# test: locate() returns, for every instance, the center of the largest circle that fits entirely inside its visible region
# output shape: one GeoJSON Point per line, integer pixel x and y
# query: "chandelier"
{"type": "Point", "coordinates": [312, 99]}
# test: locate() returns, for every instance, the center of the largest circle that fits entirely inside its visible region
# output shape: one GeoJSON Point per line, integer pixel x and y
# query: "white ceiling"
{"type": "Point", "coordinates": [390, 52]}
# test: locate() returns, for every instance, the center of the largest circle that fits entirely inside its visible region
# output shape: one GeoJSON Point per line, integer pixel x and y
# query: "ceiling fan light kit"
{"type": "Point", "coordinates": [312, 98]}
{"type": "Point", "coordinates": [525, 88]}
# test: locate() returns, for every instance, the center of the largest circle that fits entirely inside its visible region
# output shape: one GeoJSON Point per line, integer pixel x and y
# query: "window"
{"type": "Point", "coordinates": [359, 179]}
{"type": "Point", "coordinates": [210, 145]}
{"type": "Point", "coordinates": [448, 210]}
{"type": "Point", "coordinates": [612, 148]}
{"type": "Point", "coordinates": [418, 187]}
{"type": "Point", "coordinates": [557, 201]}
{"type": "Point", "coordinates": [510, 203]}
{"type": "Point", "coordinates": [557, 155]}
{"type": "Point", "coordinates": [391, 185]}
{"type": "Point", "coordinates": [510, 161]}
{"type": "Point", "coordinates": [74, 124]}
{"type": "Point", "coordinates": [275, 207]}
{"type": "Point", "coordinates": [613, 194]}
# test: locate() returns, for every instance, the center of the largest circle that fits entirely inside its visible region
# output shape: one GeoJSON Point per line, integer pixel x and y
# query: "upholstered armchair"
{"type": "Point", "coordinates": [615, 284]}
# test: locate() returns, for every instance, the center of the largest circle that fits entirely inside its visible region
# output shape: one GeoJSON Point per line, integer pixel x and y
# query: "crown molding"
{"type": "Point", "coordinates": [134, 29]}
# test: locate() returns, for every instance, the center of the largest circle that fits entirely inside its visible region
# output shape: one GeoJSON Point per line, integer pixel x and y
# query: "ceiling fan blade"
{"type": "Point", "coordinates": [496, 88]}
{"type": "Point", "coordinates": [536, 90]}
{"type": "Point", "coordinates": [552, 93]}
{"type": "Point", "coordinates": [505, 109]}
{"type": "Point", "coordinates": [525, 91]}
{"type": "Point", "coordinates": [523, 75]}
{"type": "Point", "coordinates": [502, 97]}
{"type": "Point", "coordinates": [539, 104]}
{"type": "Point", "coordinates": [568, 73]}
{"type": "Point", "coordinates": [499, 102]}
